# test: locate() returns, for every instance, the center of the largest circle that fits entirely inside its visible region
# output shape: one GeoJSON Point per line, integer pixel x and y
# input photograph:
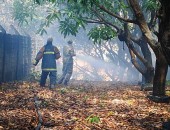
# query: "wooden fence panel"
{"type": "Point", "coordinates": [25, 47]}
{"type": "Point", "coordinates": [20, 65]}
{"type": "Point", "coordinates": [27, 55]}
{"type": "Point", "coordinates": [8, 67]}
{"type": "Point", "coordinates": [15, 57]}
{"type": "Point", "coordinates": [1, 56]}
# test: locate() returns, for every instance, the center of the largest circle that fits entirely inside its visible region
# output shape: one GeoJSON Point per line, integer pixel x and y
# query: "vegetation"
{"type": "Point", "coordinates": [115, 16]}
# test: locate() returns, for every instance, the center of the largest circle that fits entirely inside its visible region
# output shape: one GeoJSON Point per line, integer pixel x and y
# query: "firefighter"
{"type": "Point", "coordinates": [68, 53]}
{"type": "Point", "coordinates": [49, 54]}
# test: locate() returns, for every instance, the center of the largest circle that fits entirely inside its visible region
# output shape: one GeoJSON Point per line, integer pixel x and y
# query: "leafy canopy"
{"type": "Point", "coordinates": [75, 14]}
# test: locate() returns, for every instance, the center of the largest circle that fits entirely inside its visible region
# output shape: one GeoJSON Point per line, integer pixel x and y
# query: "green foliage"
{"type": "Point", "coordinates": [53, 14]}
{"type": "Point", "coordinates": [68, 27]}
{"type": "Point", "coordinates": [118, 6]}
{"type": "Point", "coordinates": [40, 2]}
{"type": "Point", "coordinates": [23, 11]}
{"type": "Point", "coordinates": [35, 76]}
{"type": "Point", "coordinates": [100, 33]}
{"type": "Point", "coordinates": [41, 30]}
{"type": "Point", "coordinates": [168, 82]}
{"type": "Point", "coordinates": [85, 97]}
{"type": "Point", "coordinates": [44, 103]}
{"type": "Point", "coordinates": [74, 14]}
{"type": "Point", "coordinates": [77, 12]}
{"type": "Point", "coordinates": [83, 2]}
{"type": "Point", "coordinates": [93, 119]}
{"type": "Point", "coordinates": [87, 2]}
{"type": "Point", "coordinates": [150, 5]}
{"type": "Point", "coordinates": [63, 90]}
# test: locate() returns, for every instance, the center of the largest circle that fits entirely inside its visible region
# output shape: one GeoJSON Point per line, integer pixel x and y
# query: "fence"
{"type": "Point", "coordinates": [15, 57]}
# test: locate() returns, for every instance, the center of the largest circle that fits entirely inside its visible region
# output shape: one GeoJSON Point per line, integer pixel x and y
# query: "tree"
{"type": "Point", "coordinates": [164, 30]}
{"type": "Point", "coordinates": [161, 63]}
{"type": "Point", "coordinates": [114, 18]}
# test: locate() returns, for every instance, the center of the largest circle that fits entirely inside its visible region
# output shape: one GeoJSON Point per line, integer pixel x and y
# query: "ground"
{"type": "Point", "coordinates": [83, 105]}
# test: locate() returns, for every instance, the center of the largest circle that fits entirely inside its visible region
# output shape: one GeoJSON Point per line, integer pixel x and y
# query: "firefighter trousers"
{"type": "Point", "coordinates": [52, 76]}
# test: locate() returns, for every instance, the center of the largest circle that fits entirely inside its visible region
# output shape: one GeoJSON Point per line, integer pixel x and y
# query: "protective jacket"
{"type": "Point", "coordinates": [49, 55]}
{"type": "Point", "coordinates": [68, 53]}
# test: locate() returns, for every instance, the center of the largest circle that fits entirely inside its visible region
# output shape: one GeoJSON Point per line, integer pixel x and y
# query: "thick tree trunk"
{"type": "Point", "coordinates": [161, 64]}
{"type": "Point", "coordinates": [161, 69]}
{"type": "Point", "coordinates": [163, 54]}
{"type": "Point", "coordinates": [164, 28]}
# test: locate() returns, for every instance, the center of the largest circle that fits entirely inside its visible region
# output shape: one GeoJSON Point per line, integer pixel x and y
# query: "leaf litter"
{"type": "Point", "coordinates": [84, 105]}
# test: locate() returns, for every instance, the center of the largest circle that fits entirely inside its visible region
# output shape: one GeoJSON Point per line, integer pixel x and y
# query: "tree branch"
{"type": "Point", "coordinates": [105, 22]}
{"type": "Point", "coordinates": [135, 63]}
{"type": "Point", "coordinates": [142, 23]}
{"type": "Point", "coordinates": [116, 16]}
{"type": "Point", "coordinates": [152, 22]}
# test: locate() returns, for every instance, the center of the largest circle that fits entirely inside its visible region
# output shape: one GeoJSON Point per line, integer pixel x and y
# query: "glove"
{"type": "Point", "coordinates": [35, 62]}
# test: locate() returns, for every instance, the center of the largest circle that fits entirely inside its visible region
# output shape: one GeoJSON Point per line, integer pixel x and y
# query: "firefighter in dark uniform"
{"type": "Point", "coordinates": [49, 54]}
{"type": "Point", "coordinates": [68, 54]}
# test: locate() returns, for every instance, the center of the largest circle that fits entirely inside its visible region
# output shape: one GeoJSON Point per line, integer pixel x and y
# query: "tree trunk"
{"type": "Point", "coordinates": [164, 28]}
{"type": "Point", "coordinates": [145, 66]}
{"type": "Point", "coordinates": [161, 69]}
{"type": "Point", "coordinates": [162, 55]}
{"type": "Point", "coordinates": [161, 64]}
{"type": "Point", "coordinates": [149, 74]}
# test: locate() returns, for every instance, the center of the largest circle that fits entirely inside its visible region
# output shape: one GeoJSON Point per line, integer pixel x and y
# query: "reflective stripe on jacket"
{"type": "Point", "coordinates": [49, 60]}
{"type": "Point", "coordinates": [49, 54]}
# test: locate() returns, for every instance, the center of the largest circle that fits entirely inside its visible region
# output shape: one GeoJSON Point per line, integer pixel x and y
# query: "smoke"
{"type": "Point", "coordinates": [89, 68]}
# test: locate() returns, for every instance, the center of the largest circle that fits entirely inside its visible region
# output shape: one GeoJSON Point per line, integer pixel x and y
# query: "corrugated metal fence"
{"type": "Point", "coordinates": [15, 57]}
